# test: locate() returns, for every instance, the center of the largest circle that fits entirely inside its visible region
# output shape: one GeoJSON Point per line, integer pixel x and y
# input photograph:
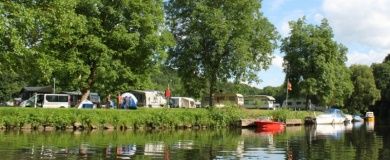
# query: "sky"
{"type": "Point", "coordinates": [363, 26]}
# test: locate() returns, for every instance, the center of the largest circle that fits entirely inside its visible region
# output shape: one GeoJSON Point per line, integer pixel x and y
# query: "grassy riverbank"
{"type": "Point", "coordinates": [31, 118]}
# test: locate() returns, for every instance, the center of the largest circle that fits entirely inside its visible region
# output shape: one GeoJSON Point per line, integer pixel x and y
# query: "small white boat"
{"type": "Point", "coordinates": [348, 118]}
{"type": "Point", "coordinates": [331, 116]}
{"type": "Point", "coordinates": [357, 118]}
{"type": "Point", "coordinates": [370, 117]}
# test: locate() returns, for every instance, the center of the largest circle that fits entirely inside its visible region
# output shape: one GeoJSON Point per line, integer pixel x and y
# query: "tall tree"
{"type": "Point", "coordinates": [365, 93]}
{"type": "Point", "coordinates": [96, 44]}
{"type": "Point", "coordinates": [315, 63]}
{"type": "Point", "coordinates": [121, 43]}
{"type": "Point", "coordinates": [387, 59]}
{"type": "Point", "coordinates": [382, 78]}
{"type": "Point", "coordinates": [217, 41]}
{"type": "Point", "coordinates": [19, 37]}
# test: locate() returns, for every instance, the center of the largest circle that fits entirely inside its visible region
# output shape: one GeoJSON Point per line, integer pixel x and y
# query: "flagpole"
{"type": "Point", "coordinates": [287, 93]}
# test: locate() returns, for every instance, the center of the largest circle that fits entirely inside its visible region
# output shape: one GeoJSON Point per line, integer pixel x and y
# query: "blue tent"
{"type": "Point", "coordinates": [129, 101]}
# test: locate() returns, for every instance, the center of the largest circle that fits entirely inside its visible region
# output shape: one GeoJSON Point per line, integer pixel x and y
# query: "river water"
{"type": "Point", "coordinates": [339, 142]}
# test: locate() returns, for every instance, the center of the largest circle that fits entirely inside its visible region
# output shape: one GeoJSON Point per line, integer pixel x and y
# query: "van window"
{"type": "Point", "coordinates": [54, 98]}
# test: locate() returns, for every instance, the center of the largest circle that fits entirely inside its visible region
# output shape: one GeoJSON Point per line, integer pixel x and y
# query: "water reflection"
{"type": "Point", "coordinates": [347, 141]}
{"type": "Point", "coordinates": [329, 131]}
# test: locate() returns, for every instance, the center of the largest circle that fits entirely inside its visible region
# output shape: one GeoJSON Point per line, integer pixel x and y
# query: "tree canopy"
{"type": "Point", "coordinates": [365, 93]}
{"type": "Point", "coordinates": [218, 41]}
{"type": "Point", "coordinates": [315, 63]}
{"type": "Point", "coordinates": [104, 45]}
{"type": "Point", "coordinates": [382, 78]}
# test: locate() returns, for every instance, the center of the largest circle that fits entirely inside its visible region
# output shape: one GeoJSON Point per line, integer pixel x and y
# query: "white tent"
{"type": "Point", "coordinates": [86, 104]}
{"type": "Point", "coordinates": [127, 94]}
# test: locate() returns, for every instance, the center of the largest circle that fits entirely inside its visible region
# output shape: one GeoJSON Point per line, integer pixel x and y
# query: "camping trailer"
{"type": "Point", "coordinates": [149, 98]}
{"type": "Point", "coordinates": [300, 104]}
{"type": "Point", "coordinates": [259, 102]}
{"type": "Point", "coordinates": [182, 102]}
{"type": "Point", "coordinates": [221, 99]}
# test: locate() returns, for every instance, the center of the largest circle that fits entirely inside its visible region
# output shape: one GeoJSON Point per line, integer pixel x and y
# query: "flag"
{"type": "Point", "coordinates": [289, 86]}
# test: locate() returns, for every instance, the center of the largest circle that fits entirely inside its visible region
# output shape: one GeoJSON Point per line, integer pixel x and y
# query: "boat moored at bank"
{"type": "Point", "coordinates": [370, 117]}
{"type": "Point", "coordinates": [331, 116]}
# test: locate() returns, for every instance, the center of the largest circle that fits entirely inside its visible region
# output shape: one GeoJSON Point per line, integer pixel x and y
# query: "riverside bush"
{"type": "Point", "coordinates": [170, 118]}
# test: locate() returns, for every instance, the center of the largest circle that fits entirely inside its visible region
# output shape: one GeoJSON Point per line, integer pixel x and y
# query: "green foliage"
{"type": "Point", "coordinates": [165, 76]}
{"type": "Point", "coordinates": [102, 45]}
{"type": "Point", "coordinates": [141, 118]}
{"type": "Point", "coordinates": [217, 41]}
{"type": "Point", "coordinates": [137, 119]}
{"type": "Point", "coordinates": [315, 63]}
{"type": "Point", "coordinates": [382, 78]}
{"type": "Point", "coordinates": [365, 93]}
{"type": "Point", "coordinates": [244, 89]}
{"type": "Point", "coordinates": [17, 35]}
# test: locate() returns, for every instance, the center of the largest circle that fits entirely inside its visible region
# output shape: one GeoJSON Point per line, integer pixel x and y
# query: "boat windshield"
{"type": "Point", "coordinates": [334, 111]}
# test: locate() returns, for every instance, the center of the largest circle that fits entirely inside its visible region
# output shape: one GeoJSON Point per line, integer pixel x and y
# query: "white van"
{"type": "Point", "coordinates": [47, 101]}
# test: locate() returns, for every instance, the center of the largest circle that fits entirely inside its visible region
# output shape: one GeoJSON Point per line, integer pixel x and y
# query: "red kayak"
{"type": "Point", "coordinates": [269, 126]}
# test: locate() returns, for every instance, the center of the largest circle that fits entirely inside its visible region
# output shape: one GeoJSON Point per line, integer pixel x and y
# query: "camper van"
{"type": "Point", "coordinates": [182, 102]}
{"type": "Point", "coordinates": [221, 99]}
{"type": "Point", "coordinates": [259, 102]}
{"type": "Point", "coordinates": [47, 101]}
{"type": "Point", "coordinates": [150, 98]}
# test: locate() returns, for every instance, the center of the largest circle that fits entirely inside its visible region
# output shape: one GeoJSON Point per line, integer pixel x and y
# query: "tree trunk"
{"type": "Point", "coordinates": [212, 82]}
{"type": "Point", "coordinates": [90, 82]}
{"type": "Point", "coordinates": [211, 95]}
{"type": "Point", "coordinates": [307, 102]}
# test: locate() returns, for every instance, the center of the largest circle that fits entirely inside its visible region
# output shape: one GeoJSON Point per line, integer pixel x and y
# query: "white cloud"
{"type": "Point", "coordinates": [318, 17]}
{"type": "Point", "coordinates": [276, 4]}
{"type": "Point", "coordinates": [365, 22]}
{"type": "Point", "coordinates": [277, 61]}
{"type": "Point", "coordinates": [373, 56]}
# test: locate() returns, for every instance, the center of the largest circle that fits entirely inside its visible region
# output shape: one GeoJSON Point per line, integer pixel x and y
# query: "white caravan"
{"type": "Point", "coordinates": [259, 102]}
{"type": "Point", "coordinates": [152, 99]}
{"type": "Point", "coordinates": [182, 102]}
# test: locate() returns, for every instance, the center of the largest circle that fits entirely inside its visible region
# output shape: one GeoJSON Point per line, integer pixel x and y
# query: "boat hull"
{"type": "Point", "coordinates": [269, 126]}
{"type": "Point", "coordinates": [370, 119]}
{"type": "Point", "coordinates": [331, 116]}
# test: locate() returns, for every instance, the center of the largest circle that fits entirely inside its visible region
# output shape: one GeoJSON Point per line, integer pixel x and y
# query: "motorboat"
{"type": "Point", "coordinates": [357, 118]}
{"type": "Point", "coordinates": [348, 118]}
{"type": "Point", "coordinates": [370, 117]}
{"type": "Point", "coordinates": [269, 126]}
{"type": "Point", "coordinates": [331, 116]}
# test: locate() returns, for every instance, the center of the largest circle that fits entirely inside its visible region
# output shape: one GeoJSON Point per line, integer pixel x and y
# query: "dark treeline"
{"type": "Point", "coordinates": [382, 80]}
